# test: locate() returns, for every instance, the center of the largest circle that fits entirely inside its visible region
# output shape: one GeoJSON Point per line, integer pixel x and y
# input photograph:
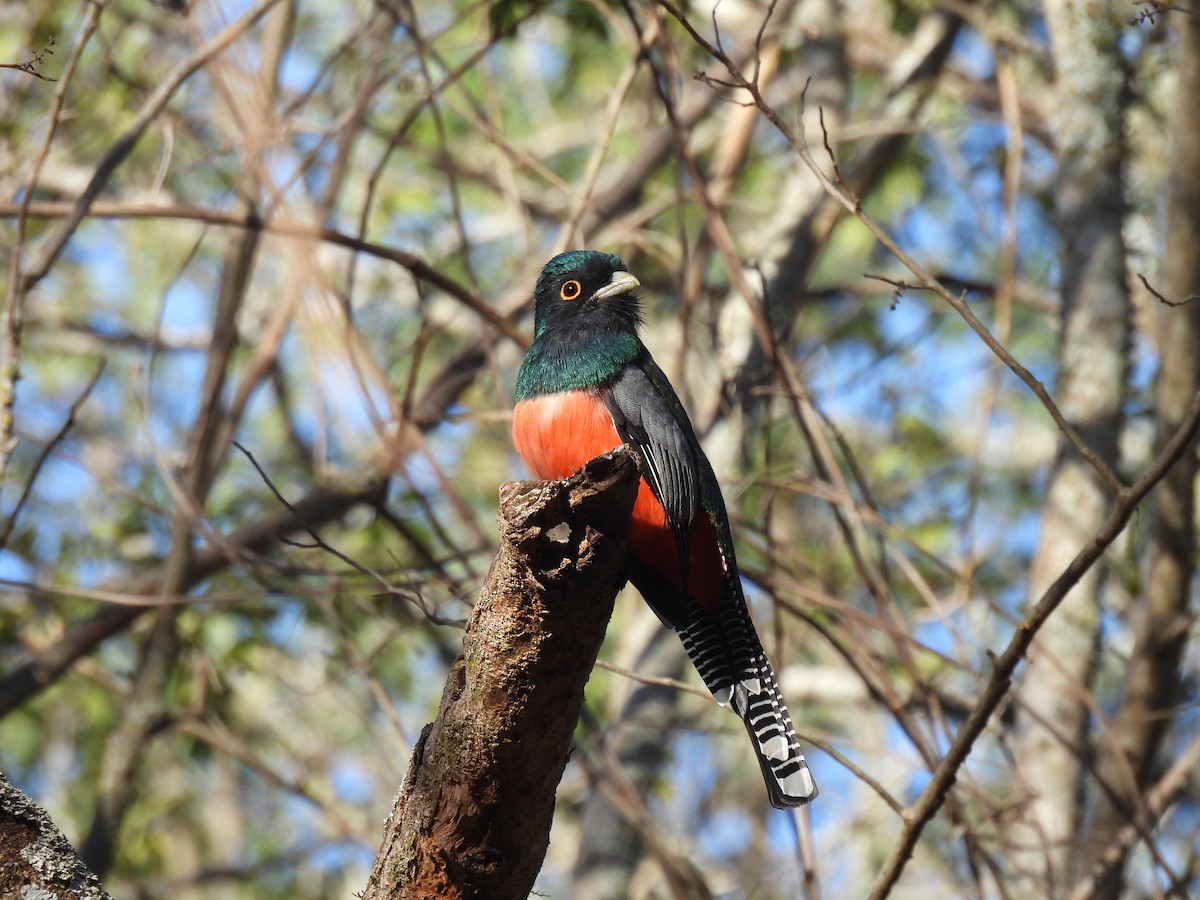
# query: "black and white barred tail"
{"type": "Point", "coordinates": [759, 705]}
{"type": "Point", "coordinates": [726, 652]}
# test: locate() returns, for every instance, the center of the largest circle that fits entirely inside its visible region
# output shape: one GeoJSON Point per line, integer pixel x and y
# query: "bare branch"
{"type": "Point", "coordinates": [44, 666]}
{"type": "Point", "coordinates": [13, 323]}
{"type": "Point", "coordinates": [123, 146]}
{"type": "Point", "coordinates": [30, 67]}
{"type": "Point", "coordinates": [58, 438]}
{"type": "Point", "coordinates": [1157, 801]}
{"type": "Point", "coordinates": [938, 789]}
{"type": "Point", "coordinates": [1163, 300]}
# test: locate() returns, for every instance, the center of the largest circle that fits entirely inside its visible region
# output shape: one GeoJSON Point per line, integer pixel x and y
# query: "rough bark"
{"type": "Point", "coordinates": [1053, 715]}
{"type": "Point", "coordinates": [1153, 681]}
{"type": "Point", "coordinates": [473, 817]}
{"type": "Point", "coordinates": [35, 859]}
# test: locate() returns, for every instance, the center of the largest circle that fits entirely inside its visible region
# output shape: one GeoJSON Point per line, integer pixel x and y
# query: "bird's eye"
{"type": "Point", "coordinates": [570, 290]}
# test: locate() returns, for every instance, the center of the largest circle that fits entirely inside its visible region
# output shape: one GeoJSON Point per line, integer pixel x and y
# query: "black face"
{"type": "Point", "coordinates": [566, 293]}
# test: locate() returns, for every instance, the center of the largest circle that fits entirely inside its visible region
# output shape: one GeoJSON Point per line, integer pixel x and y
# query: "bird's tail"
{"type": "Point", "coordinates": [760, 706]}
{"type": "Point", "coordinates": [727, 654]}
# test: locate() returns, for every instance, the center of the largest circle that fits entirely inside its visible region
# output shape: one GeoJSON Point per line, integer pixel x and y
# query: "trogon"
{"type": "Point", "coordinates": [588, 385]}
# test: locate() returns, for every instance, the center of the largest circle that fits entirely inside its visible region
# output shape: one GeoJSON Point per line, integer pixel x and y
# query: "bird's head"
{"type": "Point", "coordinates": [586, 289]}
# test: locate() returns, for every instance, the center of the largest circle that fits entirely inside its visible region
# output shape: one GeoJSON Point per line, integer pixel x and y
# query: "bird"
{"type": "Point", "coordinates": [586, 386]}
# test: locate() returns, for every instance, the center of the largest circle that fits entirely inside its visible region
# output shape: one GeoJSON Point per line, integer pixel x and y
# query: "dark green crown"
{"type": "Point", "coordinates": [574, 260]}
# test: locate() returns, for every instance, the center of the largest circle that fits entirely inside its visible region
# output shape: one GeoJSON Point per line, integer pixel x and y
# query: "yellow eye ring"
{"type": "Point", "coordinates": [570, 290]}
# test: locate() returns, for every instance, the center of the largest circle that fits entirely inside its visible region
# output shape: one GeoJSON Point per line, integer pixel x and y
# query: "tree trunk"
{"type": "Point", "coordinates": [1053, 714]}
{"type": "Point", "coordinates": [1153, 680]}
{"type": "Point", "coordinates": [473, 817]}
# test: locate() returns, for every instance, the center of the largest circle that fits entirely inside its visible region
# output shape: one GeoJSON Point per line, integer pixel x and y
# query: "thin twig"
{"type": "Point", "coordinates": [317, 540]}
{"type": "Point", "coordinates": [14, 317]}
{"type": "Point", "coordinates": [837, 172]}
{"type": "Point", "coordinates": [322, 544]}
{"type": "Point", "coordinates": [1161, 299]}
{"type": "Point", "coordinates": [58, 438]}
{"type": "Point", "coordinates": [653, 681]}
{"type": "Point", "coordinates": [30, 67]}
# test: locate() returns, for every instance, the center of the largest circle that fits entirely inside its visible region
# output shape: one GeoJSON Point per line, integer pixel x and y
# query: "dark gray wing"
{"type": "Point", "coordinates": [723, 645]}
{"type": "Point", "coordinates": [648, 416]}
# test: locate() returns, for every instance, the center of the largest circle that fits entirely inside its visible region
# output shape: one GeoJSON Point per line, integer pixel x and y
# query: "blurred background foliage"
{"type": "Point", "coordinates": [323, 247]}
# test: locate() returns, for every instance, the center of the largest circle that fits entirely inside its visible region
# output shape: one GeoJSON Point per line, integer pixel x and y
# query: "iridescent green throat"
{"type": "Point", "coordinates": [588, 362]}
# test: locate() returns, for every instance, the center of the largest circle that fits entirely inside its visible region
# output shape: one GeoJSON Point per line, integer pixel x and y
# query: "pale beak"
{"type": "Point", "coordinates": [621, 283]}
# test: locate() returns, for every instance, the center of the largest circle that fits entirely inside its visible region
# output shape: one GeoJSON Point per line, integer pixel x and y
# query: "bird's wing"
{"type": "Point", "coordinates": [723, 643]}
{"type": "Point", "coordinates": [648, 415]}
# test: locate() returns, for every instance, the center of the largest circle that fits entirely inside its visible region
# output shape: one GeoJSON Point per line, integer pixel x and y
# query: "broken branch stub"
{"type": "Point", "coordinates": [473, 817]}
